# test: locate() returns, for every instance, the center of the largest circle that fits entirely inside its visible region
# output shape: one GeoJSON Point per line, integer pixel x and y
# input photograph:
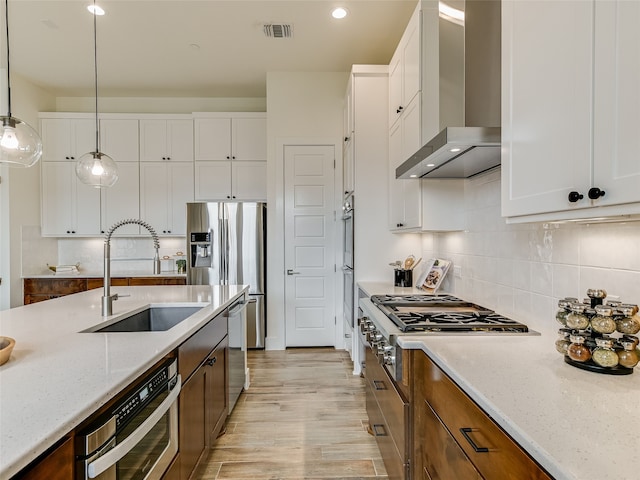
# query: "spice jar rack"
{"type": "Point", "coordinates": [598, 335]}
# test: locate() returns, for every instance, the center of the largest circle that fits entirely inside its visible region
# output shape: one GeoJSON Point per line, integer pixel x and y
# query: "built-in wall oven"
{"type": "Point", "coordinates": [137, 438]}
{"type": "Point", "coordinates": [348, 261]}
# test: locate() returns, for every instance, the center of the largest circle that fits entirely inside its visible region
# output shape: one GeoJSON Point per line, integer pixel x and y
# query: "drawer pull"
{"type": "Point", "coordinates": [379, 430]}
{"type": "Point", "coordinates": [379, 385]}
{"type": "Point", "coordinates": [465, 433]}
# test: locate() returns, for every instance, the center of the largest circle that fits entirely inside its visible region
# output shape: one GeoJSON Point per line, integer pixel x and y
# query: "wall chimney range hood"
{"type": "Point", "coordinates": [465, 151]}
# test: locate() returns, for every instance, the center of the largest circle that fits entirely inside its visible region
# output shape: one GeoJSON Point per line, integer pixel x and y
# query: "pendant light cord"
{"type": "Point", "coordinates": [95, 71]}
{"type": "Point", "coordinates": [6, 8]}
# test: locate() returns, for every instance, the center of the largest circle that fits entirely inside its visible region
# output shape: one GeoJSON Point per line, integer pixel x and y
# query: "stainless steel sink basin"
{"type": "Point", "coordinates": [152, 319]}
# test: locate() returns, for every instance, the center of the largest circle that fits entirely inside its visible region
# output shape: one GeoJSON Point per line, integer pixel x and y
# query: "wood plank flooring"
{"type": "Point", "coordinates": [303, 417]}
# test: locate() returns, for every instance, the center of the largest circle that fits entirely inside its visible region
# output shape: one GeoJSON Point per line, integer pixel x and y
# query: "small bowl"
{"type": "Point", "coordinates": [6, 346]}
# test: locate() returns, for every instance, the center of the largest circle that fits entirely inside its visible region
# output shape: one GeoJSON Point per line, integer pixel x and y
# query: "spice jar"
{"type": "Point", "coordinates": [596, 296]}
{"type": "Point", "coordinates": [628, 322]}
{"type": "Point", "coordinates": [602, 321]}
{"type": "Point", "coordinates": [563, 310]}
{"type": "Point", "coordinates": [576, 319]}
{"type": "Point", "coordinates": [578, 351]}
{"type": "Point", "coordinates": [563, 342]}
{"type": "Point", "coordinates": [628, 357]}
{"type": "Point", "coordinates": [604, 355]}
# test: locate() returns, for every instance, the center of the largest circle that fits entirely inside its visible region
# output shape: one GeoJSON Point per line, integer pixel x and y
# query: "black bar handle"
{"type": "Point", "coordinates": [379, 430]}
{"type": "Point", "coordinates": [379, 385]}
{"type": "Point", "coordinates": [465, 433]}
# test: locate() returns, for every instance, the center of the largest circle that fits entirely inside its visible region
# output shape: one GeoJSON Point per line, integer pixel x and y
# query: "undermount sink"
{"type": "Point", "coordinates": [152, 319]}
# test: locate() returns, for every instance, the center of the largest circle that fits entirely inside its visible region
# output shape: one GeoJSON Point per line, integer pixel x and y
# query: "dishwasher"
{"type": "Point", "coordinates": [237, 325]}
{"type": "Point", "coordinates": [137, 438]}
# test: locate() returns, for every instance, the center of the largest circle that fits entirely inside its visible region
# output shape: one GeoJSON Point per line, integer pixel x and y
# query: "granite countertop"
{"type": "Point", "coordinates": [578, 425]}
{"type": "Point", "coordinates": [58, 376]}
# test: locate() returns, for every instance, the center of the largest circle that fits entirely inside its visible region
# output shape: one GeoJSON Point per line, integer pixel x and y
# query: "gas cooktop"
{"type": "Point", "coordinates": [443, 313]}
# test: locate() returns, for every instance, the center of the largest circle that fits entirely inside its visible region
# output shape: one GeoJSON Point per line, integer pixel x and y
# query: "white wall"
{"type": "Point", "coordinates": [23, 184]}
{"type": "Point", "coordinates": [522, 270]}
{"type": "Point", "coordinates": [301, 107]}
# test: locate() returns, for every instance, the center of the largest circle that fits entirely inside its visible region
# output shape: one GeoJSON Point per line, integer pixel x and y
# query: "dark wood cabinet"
{"type": "Point", "coordinates": [202, 363]}
{"type": "Point", "coordinates": [56, 464]}
{"type": "Point", "coordinates": [454, 438]}
{"type": "Point", "coordinates": [40, 289]}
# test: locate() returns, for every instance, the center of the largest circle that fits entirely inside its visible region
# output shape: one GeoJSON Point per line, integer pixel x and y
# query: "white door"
{"type": "Point", "coordinates": [309, 245]}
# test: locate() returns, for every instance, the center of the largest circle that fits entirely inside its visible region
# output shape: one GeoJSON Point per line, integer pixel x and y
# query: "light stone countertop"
{"type": "Point", "coordinates": [577, 424]}
{"type": "Point", "coordinates": [57, 376]}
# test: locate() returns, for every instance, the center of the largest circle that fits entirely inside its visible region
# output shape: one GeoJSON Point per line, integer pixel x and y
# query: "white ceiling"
{"type": "Point", "coordinates": [193, 48]}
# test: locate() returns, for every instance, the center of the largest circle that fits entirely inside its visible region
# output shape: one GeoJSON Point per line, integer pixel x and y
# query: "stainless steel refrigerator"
{"type": "Point", "coordinates": [226, 246]}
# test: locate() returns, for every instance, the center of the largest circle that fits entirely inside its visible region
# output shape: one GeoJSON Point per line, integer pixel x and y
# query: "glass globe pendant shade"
{"type": "Point", "coordinates": [20, 145]}
{"type": "Point", "coordinates": [97, 169]}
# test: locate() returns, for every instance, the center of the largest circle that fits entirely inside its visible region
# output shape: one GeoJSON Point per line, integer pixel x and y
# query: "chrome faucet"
{"type": "Point", "coordinates": [107, 298]}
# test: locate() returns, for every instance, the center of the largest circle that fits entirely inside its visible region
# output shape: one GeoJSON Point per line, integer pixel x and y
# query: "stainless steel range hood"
{"type": "Point", "coordinates": [464, 151]}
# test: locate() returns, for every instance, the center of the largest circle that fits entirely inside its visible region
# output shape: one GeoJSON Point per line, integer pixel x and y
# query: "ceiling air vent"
{"type": "Point", "coordinates": [278, 30]}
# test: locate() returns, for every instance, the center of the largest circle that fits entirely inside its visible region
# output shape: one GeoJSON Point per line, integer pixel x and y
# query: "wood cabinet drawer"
{"type": "Point", "coordinates": [492, 451]}
{"type": "Point", "coordinates": [99, 282]}
{"type": "Point", "coordinates": [56, 464]}
{"type": "Point", "coordinates": [54, 286]}
{"type": "Point", "coordinates": [194, 351]}
{"type": "Point", "coordinates": [137, 281]}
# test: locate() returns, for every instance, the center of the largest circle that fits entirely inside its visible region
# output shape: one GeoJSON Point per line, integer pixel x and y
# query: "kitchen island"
{"type": "Point", "coordinates": [577, 425]}
{"type": "Point", "coordinates": [58, 375]}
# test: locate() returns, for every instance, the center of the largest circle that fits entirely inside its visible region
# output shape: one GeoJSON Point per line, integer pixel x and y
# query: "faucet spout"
{"type": "Point", "coordinates": [107, 297]}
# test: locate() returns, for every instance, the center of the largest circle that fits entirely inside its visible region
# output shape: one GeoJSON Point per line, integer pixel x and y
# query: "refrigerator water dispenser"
{"type": "Point", "coordinates": [200, 249]}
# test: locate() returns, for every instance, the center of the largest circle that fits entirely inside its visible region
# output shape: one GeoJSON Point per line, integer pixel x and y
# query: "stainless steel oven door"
{"type": "Point", "coordinates": [144, 448]}
{"type": "Point", "coordinates": [348, 235]}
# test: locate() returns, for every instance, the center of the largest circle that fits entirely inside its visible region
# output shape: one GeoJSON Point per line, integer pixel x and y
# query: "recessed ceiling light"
{"type": "Point", "coordinates": [339, 12]}
{"type": "Point", "coordinates": [413, 176]}
{"type": "Point", "coordinates": [95, 9]}
{"type": "Point", "coordinates": [454, 150]}
{"type": "Point", "coordinates": [431, 164]}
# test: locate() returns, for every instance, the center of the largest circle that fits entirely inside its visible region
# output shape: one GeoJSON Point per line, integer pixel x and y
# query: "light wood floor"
{"type": "Point", "coordinates": [303, 417]}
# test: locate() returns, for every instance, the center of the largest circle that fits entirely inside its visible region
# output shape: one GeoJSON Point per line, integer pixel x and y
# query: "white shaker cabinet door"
{"type": "Point", "coordinates": [617, 102]}
{"type": "Point", "coordinates": [249, 181]}
{"type": "Point", "coordinates": [122, 200]}
{"type": "Point", "coordinates": [213, 139]}
{"type": "Point", "coordinates": [249, 139]}
{"type": "Point", "coordinates": [68, 206]}
{"type": "Point", "coordinates": [213, 180]}
{"type": "Point", "coordinates": [547, 93]}
{"type": "Point", "coordinates": [181, 192]}
{"type": "Point", "coordinates": [119, 138]}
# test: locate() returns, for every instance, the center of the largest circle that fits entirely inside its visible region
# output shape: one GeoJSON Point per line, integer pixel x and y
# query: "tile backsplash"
{"type": "Point", "coordinates": [522, 270]}
{"type": "Point", "coordinates": [129, 255]}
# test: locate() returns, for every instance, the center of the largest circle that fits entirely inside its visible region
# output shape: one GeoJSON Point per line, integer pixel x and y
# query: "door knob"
{"type": "Point", "coordinates": [291, 272]}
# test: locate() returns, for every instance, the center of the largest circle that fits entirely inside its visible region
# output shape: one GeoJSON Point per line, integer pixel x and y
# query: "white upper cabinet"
{"type": "Point", "coordinates": [570, 110]}
{"type": "Point", "coordinates": [231, 156]}
{"type": "Point", "coordinates": [69, 208]}
{"type": "Point", "coordinates": [67, 139]}
{"type": "Point", "coordinates": [122, 200]}
{"type": "Point", "coordinates": [165, 189]}
{"type": "Point", "coordinates": [166, 140]}
{"type": "Point", "coordinates": [404, 69]}
{"type": "Point", "coordinates": [119, 139]}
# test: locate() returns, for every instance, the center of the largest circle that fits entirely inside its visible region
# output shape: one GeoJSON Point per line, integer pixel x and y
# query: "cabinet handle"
{"type": "Point", "coordinates": [575, 196]}
{"type": "Point", "coordinates": [399, 225]}
{"type": "Point", "coordinates": [228, 196]}
{"type": "Point", "coordinates": [465, 433]}
{"type": "Point", "coordinates": [595, 193]}
{"type": "Point", "coordinates": [228, 157]}
{"type": "Point", "coordinates": [399, 109]}
{"type": "Point", "coordinates": [379, 385]}
{"type": "Point", "coordinates": [233, 157]}
{"type": "Point", "coordinates": [379, 430]}
{"type": "Point", "coordinates": [212, 361]}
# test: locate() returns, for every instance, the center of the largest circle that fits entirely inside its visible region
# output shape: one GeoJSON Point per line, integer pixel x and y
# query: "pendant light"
{"type": "Point", "coordinates": [95, 168]}
{"type": "Point", "coordinates": [20, 144]}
